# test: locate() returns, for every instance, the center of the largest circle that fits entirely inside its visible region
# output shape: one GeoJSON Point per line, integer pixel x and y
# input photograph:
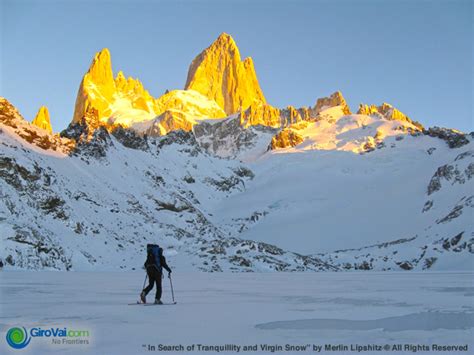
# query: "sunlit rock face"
{"type": "Point", "coordinates": [336, 99]}
{"type": "Point", "coordinates": [292, 115]}
{"type": "Point", "coordinates": [284, 139]}
{"type": "Point", "coordinates": [97, 87]}
{"type": "Point", "coordinates": [11, 120]}
{"type": "Point", "coordinates": [388, 112]}
{"type": "Point", "coordinates": [133, 90]}
{"type": "Point", "coordinates": [182, 109]}
{"type": "Point", "coordinates": [8, 113]}
{"type": "Point", "coordinates": [260, 113]}
{"type": "Point", "coordinates": [117, 101]}
{"type": "Point", "coordinates": [219, 85]}
{"type": "Point", "coordinates": [367, 110]}
{"type": "Point", "coordinates": [125, 102]}
{"type": "Point", "coordinates": [220, 74]}
{"type": "Point", "coordinates": [42, 119]}
{"type": "Point", "coordinates": [179, 109]}
{"type": "Point", "coordinates": [191, 103]}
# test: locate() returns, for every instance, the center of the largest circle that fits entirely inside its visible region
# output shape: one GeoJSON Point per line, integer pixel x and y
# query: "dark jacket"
{"type": "Point", "coordinates": [151, 262]}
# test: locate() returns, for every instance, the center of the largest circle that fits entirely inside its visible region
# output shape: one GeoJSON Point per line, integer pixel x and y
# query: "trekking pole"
{"type": "Point", "coordinates": [172, 291]}
{"type": "Point", "coordinates": [144, 281]}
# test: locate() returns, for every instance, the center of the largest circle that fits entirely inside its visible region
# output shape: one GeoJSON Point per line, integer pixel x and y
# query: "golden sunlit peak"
{"type": "Point", "coordinates": [225, 42]}
{"type": "Point", "coordinates": [219, 74]}
{"type": "Point", "coordinates": [225, 37]}
{"type": "Point", "coordinates": [42, 119]}
{"type": "Point", "coordinates": [104, 53]}
{"type": "Point", "coordinates": [100, 70]}
{"type": "Point", "coordinates": [120, 76]}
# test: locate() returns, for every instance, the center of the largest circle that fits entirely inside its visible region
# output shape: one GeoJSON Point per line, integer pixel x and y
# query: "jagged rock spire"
{"type": "Point", "coordinates": [388, 112]}
{"type": "Point", "coordinates": [220, 74]}
{"type": "Point", "coordinates": [99, 78]}
{"type": "Point", "coordinates": [99, 90]}
{"type": "Point", "coordinates": [42, 119]}
{"type": "Point", "coordinates": [336, 99]}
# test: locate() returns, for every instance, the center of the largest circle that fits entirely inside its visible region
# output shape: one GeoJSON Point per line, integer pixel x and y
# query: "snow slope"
{"type": "Point", "coordinates": [242, 309]}
{"type": "Point", "coordinates": [358, 192]}
{"type": "Point", "coordinates": [358, 181]}
{"type": "Point", "coordinates": [99, 206]}
{"type": "Point", "coordinates": [340, 194]}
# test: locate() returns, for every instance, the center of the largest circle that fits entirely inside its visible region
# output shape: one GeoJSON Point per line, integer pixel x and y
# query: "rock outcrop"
{"type": "Point", "coordinates": [388, 112]}
{"type": "Point", "coordinates": [367, 110]}
{"type": "Point", "coordinates": [42, 120]}
{"type": "Point", "coordinates": [9, 114]}
{"type": "Point", "coordinates": [336, 99]}
{"type": "Point", "coordinates": [452, 137]}
{"type": "Point", "coordinates": [262, 114]}
{"type": "Point", "coordinates": [220, 74]}
{"type": "Point", "coordinates": [29, 132]}
{"type": "Point", "coordinates": [292, 115]}
{"type": "Point", "coordinates": [285, 139]}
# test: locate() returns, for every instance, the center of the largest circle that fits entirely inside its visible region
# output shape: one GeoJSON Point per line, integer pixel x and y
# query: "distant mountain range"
{"type": "Point", "coordinates": [226, 182]}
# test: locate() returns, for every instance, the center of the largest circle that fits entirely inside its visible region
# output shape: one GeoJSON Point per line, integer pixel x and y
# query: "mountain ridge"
{"type": "Point", "coordinates": [219, 73]}
{"type": "Point", "coordinates": [172, 186]}
{"type": "Point", "coordinates": [230, 182]}
{"type": "Point", "coordinates": [216, 87]}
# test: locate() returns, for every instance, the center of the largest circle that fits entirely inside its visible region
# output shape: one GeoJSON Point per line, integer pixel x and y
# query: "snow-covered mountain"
{"type": "Point", "coordinates": [94, 201]}
{"type": "Point", "coordinates": [229, 182]}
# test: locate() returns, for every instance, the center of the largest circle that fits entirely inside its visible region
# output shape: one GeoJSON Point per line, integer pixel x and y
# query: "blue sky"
{"type": "Point", "coordinates": [416, 55]}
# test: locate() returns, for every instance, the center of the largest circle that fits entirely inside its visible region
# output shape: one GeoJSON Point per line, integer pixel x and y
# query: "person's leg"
{"type": "Point", "coordinates": [158, 286]}
{"type": "Point", "coordinates": [151, 281]}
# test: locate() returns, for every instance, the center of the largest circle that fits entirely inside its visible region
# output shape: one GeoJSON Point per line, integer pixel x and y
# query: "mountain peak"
{"type": "Point", "coordinates": [100, 70]}
{"type": "Point", "coordinates": [387, 111]}
{"type": "Point", "coordinates": [225, 42]}
{"type": "Point", "coordinates": [42, 119]}
{"type": "Point", "coordinates": [336, 99]}
{"type": "Point", "coordinates": [219, 74]}
{"type": "Point", "coordinates": [120, 77]}
{"type": "Point", "coordinates": [98, 79]}
{"type": "Point", "coordinates": [225, 38]}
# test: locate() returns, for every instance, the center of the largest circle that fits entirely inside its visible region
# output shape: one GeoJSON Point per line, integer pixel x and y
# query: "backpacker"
{"type": "Point", "coordinates": [153, 256]}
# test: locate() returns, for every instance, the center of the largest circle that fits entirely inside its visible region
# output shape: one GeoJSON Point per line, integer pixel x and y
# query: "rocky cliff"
{"type": "Point", "coordinates": [284, 139]}
{"type": "Point", "coordinates": [14, 124]}
{"type": "Point", "coordinates": [388, 112]}
{"type": "Point", "coordinates": [220, 74]}
{"type": "Point", "coordinates": [336, 99]}
{"type": "Point", "coordinates": [42, 120]}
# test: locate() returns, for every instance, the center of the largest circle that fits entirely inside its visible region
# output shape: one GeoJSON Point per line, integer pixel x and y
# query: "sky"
{"type": "Point", "coordinates": [416, 55]}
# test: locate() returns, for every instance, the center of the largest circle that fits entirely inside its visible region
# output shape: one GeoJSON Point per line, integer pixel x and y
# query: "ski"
{"type": "Point", "coordinates": [152, 304]}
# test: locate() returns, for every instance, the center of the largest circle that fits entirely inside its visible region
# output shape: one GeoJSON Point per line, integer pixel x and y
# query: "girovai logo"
{"type": "Point", "coordinates": [19, 337]}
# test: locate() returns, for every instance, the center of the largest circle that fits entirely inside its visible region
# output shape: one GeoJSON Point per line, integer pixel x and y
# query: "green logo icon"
{"type": "Point", "coordinates": [18, 338]}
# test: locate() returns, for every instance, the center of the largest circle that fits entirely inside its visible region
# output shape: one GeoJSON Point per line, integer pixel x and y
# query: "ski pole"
{"type": "Point", "coordinates": [172, 291]}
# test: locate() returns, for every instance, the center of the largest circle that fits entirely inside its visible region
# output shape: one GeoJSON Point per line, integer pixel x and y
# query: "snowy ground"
{"type": "Point", "coordinates": [241, 309]}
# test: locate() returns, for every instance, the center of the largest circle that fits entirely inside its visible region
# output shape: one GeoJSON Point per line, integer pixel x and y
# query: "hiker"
{"type": "Point", "coordinates": [154, 264]}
